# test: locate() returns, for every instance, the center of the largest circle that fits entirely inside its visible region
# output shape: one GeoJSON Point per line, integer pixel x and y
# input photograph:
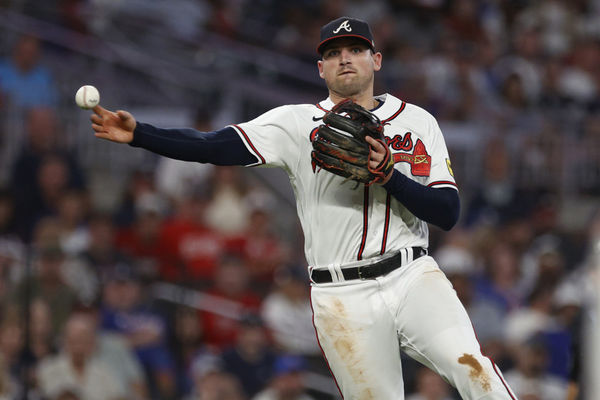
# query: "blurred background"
{"type": "Point", "coordinates": [125, 275]}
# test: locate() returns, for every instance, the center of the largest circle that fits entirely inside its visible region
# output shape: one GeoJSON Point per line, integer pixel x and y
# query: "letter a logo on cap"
{"type": "Point", "coordinates": [345, 25]}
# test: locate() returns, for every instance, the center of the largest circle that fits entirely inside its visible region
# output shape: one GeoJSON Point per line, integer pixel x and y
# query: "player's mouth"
{"type": "Point", "coordinates": [346, 72]}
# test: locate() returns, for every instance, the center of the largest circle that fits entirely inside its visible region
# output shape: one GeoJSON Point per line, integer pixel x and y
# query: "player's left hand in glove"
{"type": "Point", "coordinates": [351, 144]}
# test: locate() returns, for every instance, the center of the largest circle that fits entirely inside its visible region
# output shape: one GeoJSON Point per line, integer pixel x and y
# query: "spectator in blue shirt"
{"type": "Point", "coordinates": [24, 82]}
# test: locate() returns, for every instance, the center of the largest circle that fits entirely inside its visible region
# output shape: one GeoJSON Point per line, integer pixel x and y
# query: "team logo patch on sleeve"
{"type": "Point", "coordinates": [419, 160]}
{"type": "Point", "coordinates": [449, 165]}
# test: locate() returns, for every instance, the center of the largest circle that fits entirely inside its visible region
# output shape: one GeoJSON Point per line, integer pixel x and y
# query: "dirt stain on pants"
{"type": "Point", "coordinates": [350, 351]}
{"type": "Point", "coordinates": [477, 373]}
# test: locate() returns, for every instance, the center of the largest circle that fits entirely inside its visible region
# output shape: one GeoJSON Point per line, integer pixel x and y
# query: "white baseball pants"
{"type": "Point", "coordinates": [362, 325]}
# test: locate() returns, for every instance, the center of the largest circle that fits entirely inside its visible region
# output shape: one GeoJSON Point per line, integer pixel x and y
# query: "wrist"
{"type": "Point", "coordinates": [387, 178]}
{"type": "Point", "coordinates": [395, 180]}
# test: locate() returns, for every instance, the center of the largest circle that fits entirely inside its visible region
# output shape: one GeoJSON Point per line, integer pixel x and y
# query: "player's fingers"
{"type": "Point", "coordinates": [100, 110]}
{"type": "Point", "coordinates": [96, 119]}
{"type": "Point", "coordinates": [375, 144]}
{"type": "Point", "coordinates": [377, 156]}
{"type": "Point", "coordinates": [98, 128]}
{"type": "Point", "coordinates": [102, 135]}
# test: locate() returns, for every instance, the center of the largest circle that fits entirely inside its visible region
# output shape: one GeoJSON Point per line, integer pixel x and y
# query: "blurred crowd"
{"type": "Point", "coordinates": [188, 289]}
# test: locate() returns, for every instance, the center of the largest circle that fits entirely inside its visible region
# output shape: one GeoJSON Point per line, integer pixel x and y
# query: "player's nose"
{"type": "Point", "coordinates": [345, 56]}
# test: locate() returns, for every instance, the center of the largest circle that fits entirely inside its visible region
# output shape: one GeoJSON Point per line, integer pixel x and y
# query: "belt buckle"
{"type": "Point", "coordinates": [367, 274]}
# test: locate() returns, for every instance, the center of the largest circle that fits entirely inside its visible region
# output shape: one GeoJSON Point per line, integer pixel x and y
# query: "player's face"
{"type": "Point", "coordinates": [348, 67]}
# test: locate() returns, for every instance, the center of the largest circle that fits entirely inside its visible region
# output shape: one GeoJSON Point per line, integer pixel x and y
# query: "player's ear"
{"type": "Point", "coordinates": [320, 66]}
{"type": "Point", "coordinates": [377, 57]}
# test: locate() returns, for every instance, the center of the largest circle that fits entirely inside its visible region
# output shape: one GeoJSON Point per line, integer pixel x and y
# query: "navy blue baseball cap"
{"type": "Point", "coordinates": [346, 27]}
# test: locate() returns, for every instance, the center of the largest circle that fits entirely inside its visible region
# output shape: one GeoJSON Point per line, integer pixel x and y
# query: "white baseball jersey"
{"type": "Point", "coordinates": [343, 221]}
{"type": "Point", "coordinates": [362, 325]}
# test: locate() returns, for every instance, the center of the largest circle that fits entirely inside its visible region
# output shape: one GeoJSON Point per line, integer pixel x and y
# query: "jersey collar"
{"type": "Point", "coordinates": [388, 109]}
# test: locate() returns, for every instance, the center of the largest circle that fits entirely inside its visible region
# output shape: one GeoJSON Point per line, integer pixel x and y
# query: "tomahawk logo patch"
{"type": "Point", "coordinates": [419, 160]}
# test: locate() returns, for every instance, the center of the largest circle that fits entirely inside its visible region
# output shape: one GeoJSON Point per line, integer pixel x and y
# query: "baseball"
{"type": "Point", "coordinates": [87, 97]}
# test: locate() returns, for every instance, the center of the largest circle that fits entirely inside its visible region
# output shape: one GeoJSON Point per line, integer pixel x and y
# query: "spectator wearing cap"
{"type": "Point", "coordinates": [250, 359]}
{"type": "Point", "coordinates": [124, 311]}
{"type": "Point", "coordinates": [287, 382]}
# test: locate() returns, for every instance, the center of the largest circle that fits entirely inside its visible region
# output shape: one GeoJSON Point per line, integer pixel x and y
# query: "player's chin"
{"type": "Point", "coordinates": [349, 91]}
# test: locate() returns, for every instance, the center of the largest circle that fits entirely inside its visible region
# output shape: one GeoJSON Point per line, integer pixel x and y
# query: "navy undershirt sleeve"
{"type": "Point", "coordinates": [223, 147]}
{"type": "Point", "coordinates": [440, 207]}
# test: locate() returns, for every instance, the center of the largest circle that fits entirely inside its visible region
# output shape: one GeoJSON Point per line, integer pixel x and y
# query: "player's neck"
{"type": "Point", "coordinates": [366, 100]}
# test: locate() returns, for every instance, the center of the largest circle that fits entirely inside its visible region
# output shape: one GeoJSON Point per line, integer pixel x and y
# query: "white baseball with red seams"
{"type": "Point", "coordinates": [87, 97]}
{"type": "Point", "coordinates": [362, 325]}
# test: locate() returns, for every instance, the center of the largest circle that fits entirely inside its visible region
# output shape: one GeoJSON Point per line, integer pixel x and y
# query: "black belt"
{"type": "Point", "coordinates": [370, 271]}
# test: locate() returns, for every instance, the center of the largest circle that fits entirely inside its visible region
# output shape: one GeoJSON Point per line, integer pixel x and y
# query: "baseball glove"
{"type": "Point", "coordinates": [339, 144]}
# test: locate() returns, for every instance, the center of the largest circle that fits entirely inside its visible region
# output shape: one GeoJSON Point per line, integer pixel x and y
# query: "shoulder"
{"type": "Point", "coordinates": [396, 111]}
{"type": "Point", "coordinates": [295, 119]}
{"type": "Point", "coordinates": [289, 109]}
{"type": "Point", "coordinates": [417, 119]}
{"type": "Point", "coordinates": [417, 113]}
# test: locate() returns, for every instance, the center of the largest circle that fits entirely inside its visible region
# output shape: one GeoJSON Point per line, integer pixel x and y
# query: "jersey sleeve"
{"type": "Point", "coordinates": [441, 168]}
{"type": "Point", "coordinates": [272, 137]}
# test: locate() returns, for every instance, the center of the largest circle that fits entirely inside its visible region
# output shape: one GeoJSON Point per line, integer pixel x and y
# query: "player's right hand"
{"type": "Point", "coordinates": [114, 126]}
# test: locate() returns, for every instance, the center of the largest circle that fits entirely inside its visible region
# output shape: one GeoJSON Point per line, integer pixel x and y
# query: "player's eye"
{"type": "Point", "coordinates": [356, 50]}
{"type": "Point", "coordinates": [332, 53]}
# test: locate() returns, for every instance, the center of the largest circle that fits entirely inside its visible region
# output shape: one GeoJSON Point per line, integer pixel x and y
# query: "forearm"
{"type": "Point", "coordinates": [440, 207]}
{"type": "Point", "coordinates": [223, 147]}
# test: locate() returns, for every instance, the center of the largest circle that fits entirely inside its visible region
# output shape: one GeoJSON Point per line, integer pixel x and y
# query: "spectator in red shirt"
{"type": "Point", "coordinates": [231, 284]}
{"type": "Point", "coordinates": [142, 240]}
{"type": "Point", "coordinates": [262, 249]}
{"type": "Point", "coordinates": [193, 249]}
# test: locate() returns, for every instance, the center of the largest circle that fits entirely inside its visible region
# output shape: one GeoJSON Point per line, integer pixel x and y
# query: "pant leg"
{"type": "Point", "coordinates": [357, 335]}
{"type": "Point", "coordinates": [434, 328]}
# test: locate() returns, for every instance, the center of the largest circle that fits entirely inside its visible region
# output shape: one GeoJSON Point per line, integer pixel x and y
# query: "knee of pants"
{"type": "Point", "coordinates": [457, 357]}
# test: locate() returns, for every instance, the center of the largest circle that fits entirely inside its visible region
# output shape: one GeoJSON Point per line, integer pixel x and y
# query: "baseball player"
{"type": "Point", "coordinates": [368, 172]}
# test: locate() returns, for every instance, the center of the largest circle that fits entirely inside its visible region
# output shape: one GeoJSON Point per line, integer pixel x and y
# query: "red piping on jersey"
{"type": "Point", "coordinates": [501, 378]}
{"type": "Point", "coordinates": [386, 226]}
{"type": "Point", "coordinates": [321, 108]}
{"type": "Point", "coordinates": [385, 121]}
{"type": "Point", "coordinates": [319, 343]}
{"type": "Point", "coordinates": [262, 159]}
{"type": "Point", "coordinates": [365, 224]}
{"type": "Point", "coordinates": [442, 183]}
